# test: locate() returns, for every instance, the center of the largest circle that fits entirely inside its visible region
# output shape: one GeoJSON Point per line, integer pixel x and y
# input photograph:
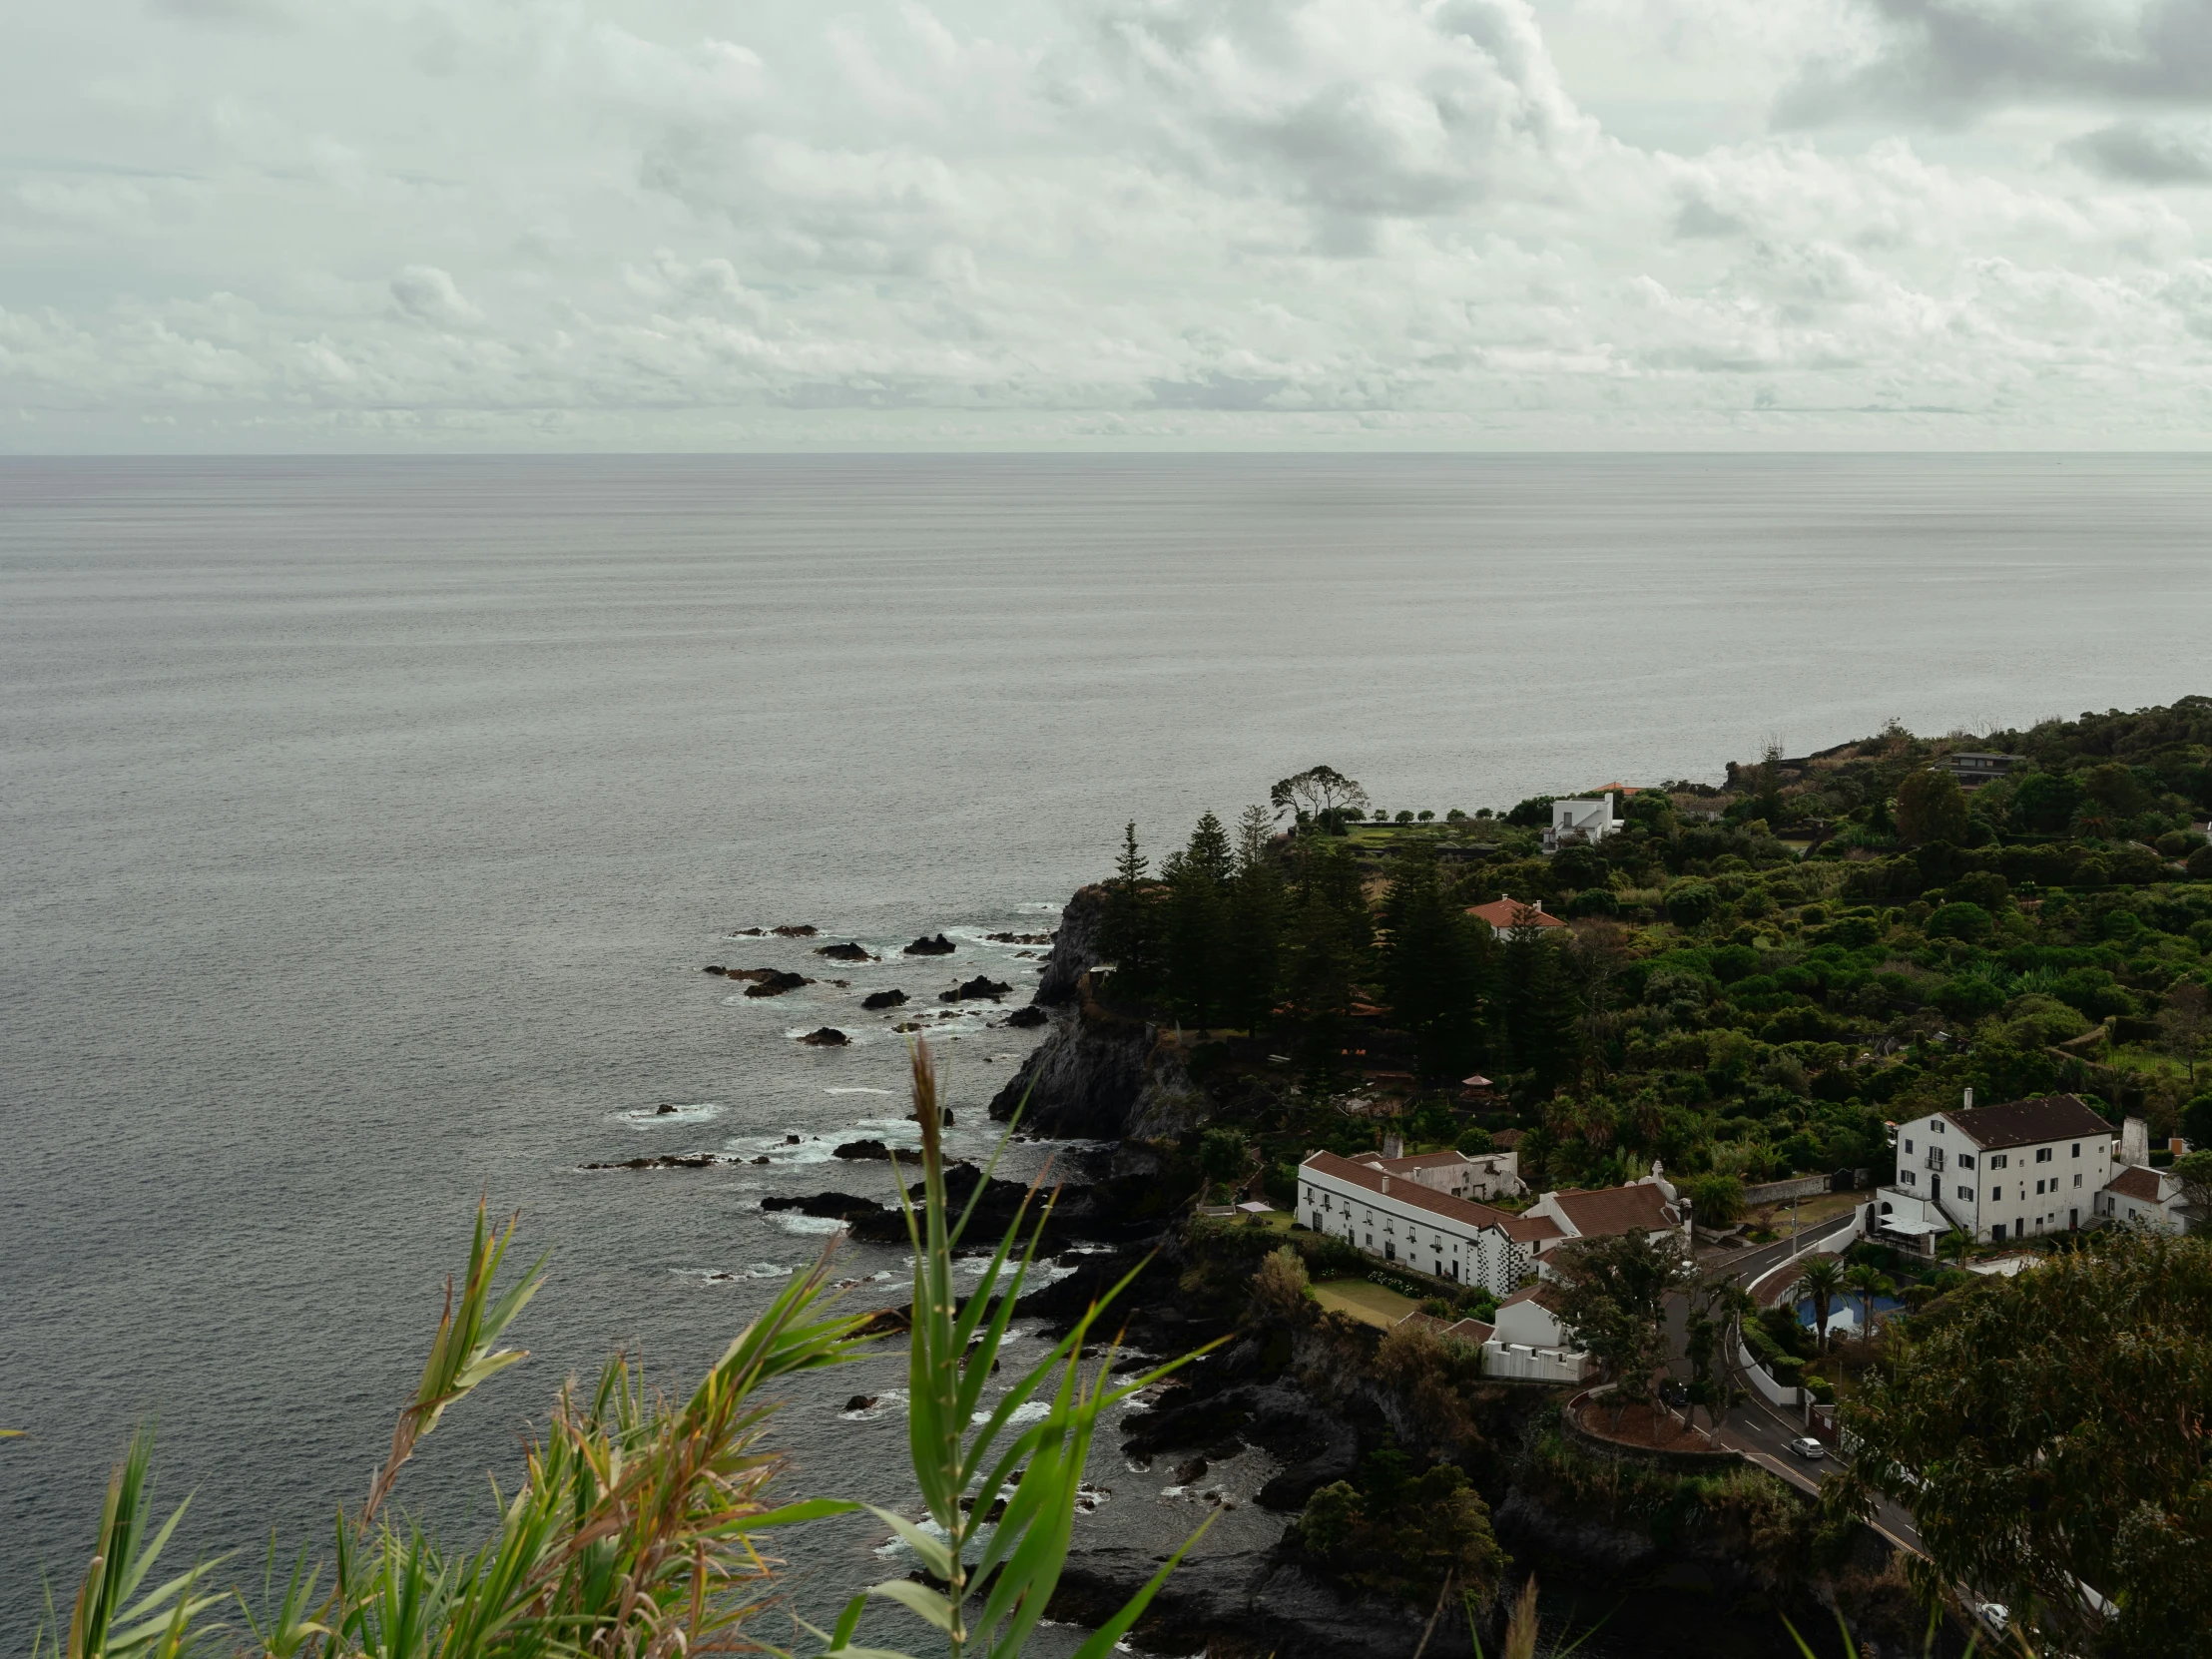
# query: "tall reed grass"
{"type": "Point", "coordinates": [642, 1526]}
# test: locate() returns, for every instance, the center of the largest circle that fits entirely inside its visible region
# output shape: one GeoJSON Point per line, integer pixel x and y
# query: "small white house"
{"type": "Point", "coordinates": [1997, 1173]}
{"type": "Point", "coordinates": [2149, 1197]}
{"type": "Point", "coordinates": [1527, 1341]}
{"type": "Point", "coordinates": [1580, 823]}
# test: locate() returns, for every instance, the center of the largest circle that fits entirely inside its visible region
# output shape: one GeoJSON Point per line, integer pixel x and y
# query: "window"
{"type": "Point", "coordinates": [1909, 1178]}
{"type": "Point", "coordinates": [1996, 1193]}
{"type": "Point", "coordinates": [1965, 1195]}
{"type": "Point", "coordinates": [1997, 1161]}
{"type": "Point", "coordinates": [1937, 1126]}
{"type": "Point", "coordinates": [1965, 1160]}
{"type": "Point", "coordinates": [2038, 1189]}
{"type": "Point", "coordinates": [1908, 1142]}
{"type": "Point", "coordinates": [2042, 1154]}
{"type": "Point", "coordinates": [2077, 1180]}
{"type": "Point", "coordinates": [2077, 1149]}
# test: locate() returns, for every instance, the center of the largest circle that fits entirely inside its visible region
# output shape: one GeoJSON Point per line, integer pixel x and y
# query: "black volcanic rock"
{"type": "Point", "coordinates": [827, 1036]}
{"type": "Point", "coordinates": [826, 1205]}
{"type": "Point", "coordinates": [804, 932]}
{"type": "Point", "coordinates": [927, 946]}
{"type": "Point", "coordinates": [858, 1149]}
{"type": "Point", "coordinates": [775, 982]}
{"type": "Point", "coordinates": [714, 968]}
{"type": "Point", "coordinates": [1025, 1019]}
{"type": "Point", "coordinates": [846, 953]}
{"type": "Point", "coordinates": [978, 989]}
{"type": "Point", "coordinates": [883, 999]}
{"type": "Point", "coordinates": [671, 1160]}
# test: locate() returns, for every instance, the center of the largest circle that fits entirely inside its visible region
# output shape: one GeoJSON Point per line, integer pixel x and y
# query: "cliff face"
{"type": "Point", "coordinates": [1098, 1075]}
{"type": "Point", "coordinates": [1075, 950]}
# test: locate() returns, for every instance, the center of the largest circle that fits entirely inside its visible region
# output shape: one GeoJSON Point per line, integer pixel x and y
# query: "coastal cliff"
{"type": "Point", "coordinates": [1099, 1074]}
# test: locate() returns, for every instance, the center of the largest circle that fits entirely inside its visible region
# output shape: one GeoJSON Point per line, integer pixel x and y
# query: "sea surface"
{"type": "Point", "coordinates": [367, 822]}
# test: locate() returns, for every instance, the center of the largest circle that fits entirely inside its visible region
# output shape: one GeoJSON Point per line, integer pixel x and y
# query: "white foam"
{"type": "Point", "coordinates": [791, 1221]}
{"type": "Point", "coordinates": [1029, 1410]}
{"type": "Point", "coordinates": [858, 1090]}
{"type": "Point", "coordinates": [645, 1117]}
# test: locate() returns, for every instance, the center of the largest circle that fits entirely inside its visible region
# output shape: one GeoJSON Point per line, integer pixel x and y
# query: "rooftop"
{"type": "Point", "coordinates": [1509, 911]}
{"type": "Point", "coordinates": [1606, 1211]}
{"type": "Point", "coordinates": [2049, 1117]}
{"type": "Point", "coordinates": [1416, 1196]}
{"type": "Point", "coordinates": [2137, 1183]}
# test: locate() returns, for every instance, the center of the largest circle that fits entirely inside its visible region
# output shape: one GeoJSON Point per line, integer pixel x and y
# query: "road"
{"type": "Point", "coordinates": [1763, 1432]}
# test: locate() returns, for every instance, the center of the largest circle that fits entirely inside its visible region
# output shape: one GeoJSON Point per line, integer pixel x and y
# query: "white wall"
{"type": "Point", "coordinates": [1535, 1365]}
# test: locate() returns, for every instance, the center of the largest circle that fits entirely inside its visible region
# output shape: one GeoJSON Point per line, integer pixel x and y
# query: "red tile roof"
{"type": "Point", "coordinates": [2136, 1182]}
{"type": "Point", "coordinates": [1503, 913]}
{"type": "Point", "coordinates": [2049, 1117]}
{"type": "Point", "coordinates": [1544, 1294]}
{"type": "Point", "coordinates": [1522, 1229]}
{"type": "Point", "coordinates": [1606, 1211]}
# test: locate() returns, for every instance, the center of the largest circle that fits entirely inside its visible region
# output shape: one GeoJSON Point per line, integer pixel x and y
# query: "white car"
{"type": "Point", "coordinates": [1806, 1448]}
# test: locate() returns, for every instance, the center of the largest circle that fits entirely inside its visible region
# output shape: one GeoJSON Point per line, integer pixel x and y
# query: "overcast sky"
{"type": "Point", "coordinates": [516, 223]}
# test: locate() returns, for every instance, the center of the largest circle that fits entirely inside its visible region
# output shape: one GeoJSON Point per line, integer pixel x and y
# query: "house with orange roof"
{"type": "Point", "coordinates": [1510, 915]}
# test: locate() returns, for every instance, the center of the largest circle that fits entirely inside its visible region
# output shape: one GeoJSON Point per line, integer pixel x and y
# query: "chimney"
{"type": "Point", "coordinates": [1540, 906]}
{"type": "Point", "coordinates": [2134, 1143]}
{"type": "Point", "coordinates": [1394, 1145]}
{"type": "Point", "coordinates": [1970, 1101]}
{"type": "Point", "coordinates": [1385, 1186]}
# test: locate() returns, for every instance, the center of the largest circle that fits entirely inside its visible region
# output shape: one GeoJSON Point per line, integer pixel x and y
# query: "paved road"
{"type": "Point", "coordinates": [1763, 1432]}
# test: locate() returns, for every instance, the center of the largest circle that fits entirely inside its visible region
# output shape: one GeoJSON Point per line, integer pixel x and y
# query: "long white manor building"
{"type": "Point", "coordinates": [1405, 1210]}
{"type": "Point", "coordinates": [1998, 1173]}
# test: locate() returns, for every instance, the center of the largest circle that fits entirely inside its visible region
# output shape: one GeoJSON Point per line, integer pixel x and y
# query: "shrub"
{"type": "Point", "coordinates": [1958, 921]}
{"type": "Point", "coordinates": [1691, 904]}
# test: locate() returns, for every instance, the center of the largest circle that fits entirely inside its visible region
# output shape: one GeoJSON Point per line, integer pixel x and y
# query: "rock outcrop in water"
{"type": "Point", "coordinates": [770, 981]}
{"type": "Point", "coordinates": [978, 989]}
{"type": "Point", "coordinates": [882, 999]}
{"type": "Point", "coordinates": [846, 953]}
{"type": "Point", "coordinates": [827, 1036]}
{"type": "Point", "coordinates": [927, 946]}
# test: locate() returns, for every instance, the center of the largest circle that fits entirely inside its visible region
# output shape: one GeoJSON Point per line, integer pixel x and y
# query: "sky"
{"type": "Point", "coordinates": [410, 224]}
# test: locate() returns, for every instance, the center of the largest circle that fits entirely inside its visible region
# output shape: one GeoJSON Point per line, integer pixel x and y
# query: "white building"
{"type": "Point", "coordinates": [1400, 1217]}
{"type": "Point", "coordinates": [1528, 1342]}
{"type": "Point", "coordinates": [1580, 823]}
{"type": "Point", "coordinates": [1389, 1209]}
{"type": "Point", "coordinates": [1997, 1173]}
{"type": "Point", "coordinates": [2149, 1197]}
{"type": "Point", "coordinates": [1485, 1175]}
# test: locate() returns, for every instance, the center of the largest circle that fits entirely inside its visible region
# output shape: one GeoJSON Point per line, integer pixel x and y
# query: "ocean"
{"type": "Point", "coordinates": [368, 822]}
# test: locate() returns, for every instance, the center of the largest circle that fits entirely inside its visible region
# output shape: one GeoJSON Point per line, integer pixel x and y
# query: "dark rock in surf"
{"type": "Point", "coordinates": [1025, 1019]}
{"type": "Point", "coordinates": [1021, 938]}
{"type": "Point", "coordinates": [667, 1108]}
{"type": "Point", "coordinates": [860, 1402]}
{"type": "Point", "coordinates": [861, 1149]}
{"type": "Point", "coordinates": [673, 1160]}
{"type": "Point", "coordinates": [802, 933]}
{"type": "Point", "coordinates": [827, 1036]}
{"type": "Point", "coordinates": [825, 1206]}
{"type": "Point", "coordinates": [847, 953]}
{"type": "Point", "coordinates": [748, 933]}
{"type": "Point", "coordinates": [776, 983]}
{"type": "Point", "coordinates": [883, 999]}
{"type": "Point", "coordinates": [714, 968]}
{"type": "Point", "coordinates": [927, 946]}
{"type": "Point", "coordinates": [1075, 947]}
{"type": "Point", "coordinates": [978, 989]}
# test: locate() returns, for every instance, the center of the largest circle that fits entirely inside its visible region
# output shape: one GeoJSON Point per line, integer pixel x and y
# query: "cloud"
{"type": "Point", "coordinates": [2144, 153]}
{"type": "Point", "coordinates": [429, 294]}
{"type": "Point", "coordinates": [1950, 60]}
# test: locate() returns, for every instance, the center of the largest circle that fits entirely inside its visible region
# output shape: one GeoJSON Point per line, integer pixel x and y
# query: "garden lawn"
{"type": "Point", "coordinates": [1369, 1303]}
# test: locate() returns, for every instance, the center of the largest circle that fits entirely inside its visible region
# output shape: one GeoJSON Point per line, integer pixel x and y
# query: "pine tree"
{"type": "Point", "coordinates": [1430, 966]}
{"type": "Point", "coordinates": [1542, 1009]}
{"type": "Point", "coordinates": [1125, 933]}
{"type": "Point", "coordinates": [1320, 985]}
{"type": "Point", "coordinates": [1254, 828]}
{"type": "Point", "coordinates": [1209, 852]}
{"type": "Point", "coordinates": [1251, 966]}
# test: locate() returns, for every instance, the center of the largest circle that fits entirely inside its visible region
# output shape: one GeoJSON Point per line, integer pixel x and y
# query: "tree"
{"type": "Point", "coordinates": [1821, 1278]}
{"type": "Point", "coordinates": [1318, 794]}
{"type": "Point", "coordinates": [2194, 1171]}
{"type": "Point", "coordinates": [1250, 968]}
{"type": "Point", "coordinates": [1432, 968]}
{"type": "Point", "coordinates": [1125, 932]}
{"type": "Point", "coordinates": [2185, 1021]}
{"type": "Point", "coordinates": [1716, 1198]}
{"type": "Point", "coordinates": [2046, 801]}
{"type": "Point", "coordinates": [1195, 957]}
{"type": "Point", "coordinates": [1254, 828]}
{"type": "Point", "coordinates": [1613, 1295]}
{"type": "Point", "coordinates": [1931, 808]}
{"type": "Point", "coordinates": [1542, 1013]}
{"type": "Point", "coordinates": [1223, 1155]}
{"type": "Point", "coordinates": [2046, 1433]}
{"type": "Point", "coordinates": [1869, 1282]}
{"type": "Point", "coordinates": [1716, 1302]}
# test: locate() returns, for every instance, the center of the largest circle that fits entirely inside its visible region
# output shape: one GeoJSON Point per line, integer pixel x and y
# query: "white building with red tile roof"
{"type": "Point", "coordinates": [1484, 1176]}
{"type": "Point", "coordinates": [2152, 1197]}
{"type": "Point", "coordinates": [1508, 915]}
{"type": "Point", "coordinates": [1998, 1173]}
{"type": "Point", "coordinates": [1400, 1217]}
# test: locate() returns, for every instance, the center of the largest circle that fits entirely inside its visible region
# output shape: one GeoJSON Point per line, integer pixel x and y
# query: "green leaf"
{"type": "Point", "coordinates": [933, 1551]}
{"type": "Point", "coordinates": [916, 1598]}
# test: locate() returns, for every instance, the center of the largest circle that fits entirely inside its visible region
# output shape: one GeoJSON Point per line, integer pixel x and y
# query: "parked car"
{"type": "Point", "coordinates": [1807, 1449]}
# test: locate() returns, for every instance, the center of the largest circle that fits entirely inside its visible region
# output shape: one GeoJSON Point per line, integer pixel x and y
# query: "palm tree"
{"type": "Point", "coordinates": [1954, 1243]}
{"type": "Point", "coordinates": [1821, 1278]}
{"type": "Point", "coordinates": [1868, 1281]}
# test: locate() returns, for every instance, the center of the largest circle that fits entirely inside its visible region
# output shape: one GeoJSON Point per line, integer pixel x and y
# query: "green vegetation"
{"type": "Point", "coordinates": [1755, 979]}
{"type": "Point", "coordinates": [1402, 1534]}
{"type": "Point", "coordinates": [2047, 1432]}
{"type": "Point", "coordinates": [641, 1527]}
